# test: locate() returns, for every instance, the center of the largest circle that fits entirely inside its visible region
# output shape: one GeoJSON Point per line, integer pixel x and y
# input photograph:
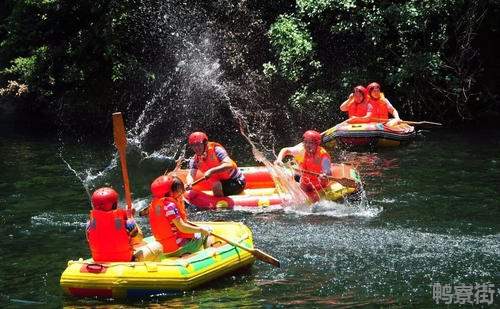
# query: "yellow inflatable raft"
{"type": "Point", "coordinates": [84, 278]}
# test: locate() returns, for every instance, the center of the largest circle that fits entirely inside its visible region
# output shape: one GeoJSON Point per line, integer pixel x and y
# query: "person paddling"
{"type": "Point", "coordinates": [381, 106]}
{"type": "Point", "coordinates": [312, 158]}
{"type": "Point", "coordinates": [357, 106]}
{"type": "Point", "coordinates": [216, 165]}
{"type": "Point", "coordinates": [168, 219]}
{"type": "Point", "coordinates": [110, 233]}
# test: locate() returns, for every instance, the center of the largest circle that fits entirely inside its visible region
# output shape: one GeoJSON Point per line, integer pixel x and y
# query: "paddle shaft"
{"type": "Point", "coordinates": [413, 123]}
{"type": "Point", "coordinates": [255, 252]}
{"type": "Point", "coordinates": [416, 123]}
{"type": "Point", "coordinates": [343, 181]}
{"type": "Point", "coordinates": [198, 181]}
{"type": "Point", "coordinates": [121, 145]}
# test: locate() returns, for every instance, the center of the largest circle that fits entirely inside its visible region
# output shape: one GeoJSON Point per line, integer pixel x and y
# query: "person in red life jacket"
{"type": "Point", "coordinates": [113, 237]}
{"type": "Point", "coordinates": [109, 232]}
{"type": "Point", "coordinates": [357, 106]}
{"type": "Point", "coordinates": [168, 219]}
{"type": "Point", "coordinates": [381, 106]}
{"type": "Point", "coordinates": [212, 160]}
{"type": "Point", "coordinates": [312, 158]}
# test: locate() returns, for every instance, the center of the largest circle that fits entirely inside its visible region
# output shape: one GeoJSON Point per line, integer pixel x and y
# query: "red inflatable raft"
{"type": "Point", "coordinates": [260, 190]}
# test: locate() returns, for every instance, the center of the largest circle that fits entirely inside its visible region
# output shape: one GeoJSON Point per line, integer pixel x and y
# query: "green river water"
{"type": "Point", "coordinates": [431, 215]}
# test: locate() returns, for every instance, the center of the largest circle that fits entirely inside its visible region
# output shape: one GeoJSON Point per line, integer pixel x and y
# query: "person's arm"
{"type": "Point", "coordinates": [345, 106]}
{"type": "Point", "coordinates": [392, 110]}
{"type": "Point", "coordinates": [87, 228]}
{"type": "Point", "coordinates": [226, 164]}
{"type": "Point", "coordinates": [132, 227]}
{"type": "Point", "coordinates": [185, 227]}
{"type": "Point", "coordinates": [172, 213]}
{"type": "Point", "coordinates": [396, 120]}
{"type": "Point", "coordinates": [287, 151]}
{"type": "Point", "coordinates": [193, 168]}
{"type": "Point", "coordinates": [326, 166]}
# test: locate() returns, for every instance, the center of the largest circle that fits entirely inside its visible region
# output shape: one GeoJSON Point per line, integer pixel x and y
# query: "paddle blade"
{"type": "Point", "coordinates": [264, 257]}
{"type": "Point", "coordinates": [119, 131]}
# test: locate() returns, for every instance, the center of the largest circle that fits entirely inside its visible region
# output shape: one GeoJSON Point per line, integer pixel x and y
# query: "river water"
{"type": "Point", "coordinates": [431, 215]}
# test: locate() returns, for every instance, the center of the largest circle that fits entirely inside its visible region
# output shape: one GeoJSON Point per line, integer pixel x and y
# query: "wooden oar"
{"type": "Point", "coordinates": [197, 181]}
{"type": "Point", "coordinates": [121, 145]}
{"type": "Point", "coordinates": [417, 123]}
{"type": "Point", "coordinates": [257, 253]}
{"type": "Point", "coordinates": [412, 123]}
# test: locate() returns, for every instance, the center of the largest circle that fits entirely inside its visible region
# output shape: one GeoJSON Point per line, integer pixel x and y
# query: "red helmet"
{"type": "Point", "coordinates": [161, 186]}
{"type": "Point", "coordinates": [197, 137]}
{"type": "Point", "coordinates": [312, 136]}
{"type": "Point", "coordinates": [370, 87]}
{"type": "Point", "coordinates": [104, 199]}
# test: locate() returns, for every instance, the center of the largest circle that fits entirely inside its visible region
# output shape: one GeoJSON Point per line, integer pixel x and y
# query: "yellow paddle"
{"type": "Point", "coordinates": [257, 253]}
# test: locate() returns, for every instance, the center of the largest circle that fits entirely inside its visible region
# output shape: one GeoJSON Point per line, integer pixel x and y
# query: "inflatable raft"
{"type": "Point", "coordinates": [260, 190]}
{"type": "Point", "coordinates": [368, 135]}
{"type": "Point", "coordinates": [84, 278]}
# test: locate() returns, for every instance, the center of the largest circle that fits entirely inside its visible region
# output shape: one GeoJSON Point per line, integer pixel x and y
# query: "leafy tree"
{"type": "Point", "coordinates": [420, 51]}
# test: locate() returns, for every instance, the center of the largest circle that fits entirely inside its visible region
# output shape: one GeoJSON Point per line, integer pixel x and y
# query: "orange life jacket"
{"type": "Point", "coordinates": [163, 229]}
{"type": "Point", "coordinates": [312, 163]}
{"type": "Point", "coordinates": [108, 238]}
{"type": "Point", "coordinates": [210, 160]}
{"type": "Point", "coordinates": [358, 109]}
{"type": "Point", "coordinates": [380, 112]}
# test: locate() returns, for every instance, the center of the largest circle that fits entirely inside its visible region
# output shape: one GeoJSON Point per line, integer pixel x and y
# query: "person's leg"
{"type": "Point", "coordinates": [148, 252]}
{"type": "Point", "coordinates": [189, 246]}
{"type": "Point", "coordinates": [217, 189]}
{"type": "Point", "coordinates": [311, 192]}
{"type": "Point", "coordinates": [232, 186]}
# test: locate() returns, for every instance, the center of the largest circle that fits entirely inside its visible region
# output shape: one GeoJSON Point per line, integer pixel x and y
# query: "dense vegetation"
{"type": "Point", "coordinates": [81, 60]}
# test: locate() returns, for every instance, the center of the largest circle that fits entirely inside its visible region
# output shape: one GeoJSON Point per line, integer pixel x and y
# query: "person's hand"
{"type": "Point", "coordinates": [393, 122]}
{"type": "Point", "coordinates": [323, 177]}
{"type": "Point", "coordinates": [205, 230]}
{"type": "Point", "coordinates": [279, 163]}
{"type": "Point", "coordinates": [188, 187]}
{"type": "Point", "coordinates": [351, 96]}
{"type": "Point", "coordinates": [208, 174]}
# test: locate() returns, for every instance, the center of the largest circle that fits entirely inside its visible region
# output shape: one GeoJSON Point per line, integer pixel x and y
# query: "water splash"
{"type": "Point", "coordinates": [288, 189]}
{"type": "Point", "coordinates": [193, 94]}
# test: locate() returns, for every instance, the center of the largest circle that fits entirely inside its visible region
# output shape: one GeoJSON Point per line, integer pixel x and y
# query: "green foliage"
{"type": "Point", "coordinates": [294, 44]}
{"type": "Point", "coordinates": [28, 69]}
{"type": "Point", "coordinates": [99, 56]}
{"type": "Point", "coordinates": [408, 46]}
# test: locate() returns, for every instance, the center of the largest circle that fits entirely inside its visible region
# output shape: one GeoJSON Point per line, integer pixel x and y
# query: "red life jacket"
{"type": "Point", "coordinates": [312, 163]}
{"type": "Point", "coordinates": [358, 109]}
{"type": "Point", "coordinates": [210, 160]}
{"type": "Point", "coordinates": [162, 227]}
{"type": "Point", "coordinates": [108, 238]}
{"type": "Point", "coordinates": [380, 112]}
